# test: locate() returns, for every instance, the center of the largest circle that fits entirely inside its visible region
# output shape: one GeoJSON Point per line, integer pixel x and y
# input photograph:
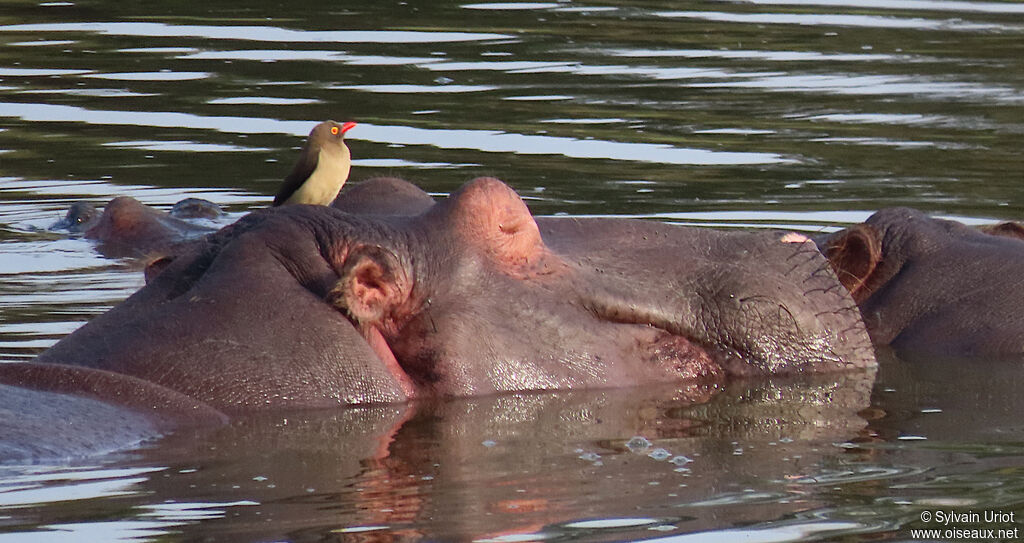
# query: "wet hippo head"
{"type": "Point", "coordinates": [934, 287]}
{"type": "Point", "coordinates": [309, 305]}
{"type": "Point", "coordinates": [196, 208]}
{"type": "Point", "coordinates": [493, 307]}
{"type": "Point", "coordinates": [472, 301]}
{"type": "Point", "coordinates": [384, 196]}
{"type": "Point", "coordinates": [80, 217]}
{"type": "Point", "coordinates": [129, 228]}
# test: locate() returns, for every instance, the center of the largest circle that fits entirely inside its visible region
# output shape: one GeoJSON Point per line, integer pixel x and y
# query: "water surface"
{"type": "Point", "coordinates": [774, 113]}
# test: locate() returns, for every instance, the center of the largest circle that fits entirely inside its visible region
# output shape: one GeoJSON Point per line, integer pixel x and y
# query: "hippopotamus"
{"type": "Point", "coordinates": [129, 228]}
{"type": "Point", "coordinates": [934, 287]}
{"type": "Point", "coordinates": [306, 306]}
{"type": "Point", "coordinates": [80, 217]}
{"type": "Point", "coordinates": [406, 298]}
{"type": "Point", "coordinates": [196, 208]}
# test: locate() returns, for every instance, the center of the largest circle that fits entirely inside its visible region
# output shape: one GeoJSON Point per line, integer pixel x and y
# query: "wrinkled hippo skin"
{"type": "Point", "coordinates": [315, 306]}
{"type": "Point", "coordinates": [932, 287]}
{"type": "Point", "coordinates": [310, 306]}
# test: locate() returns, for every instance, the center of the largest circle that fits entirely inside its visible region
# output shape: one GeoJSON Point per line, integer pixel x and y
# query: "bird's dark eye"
{"type": "Point", "coordinates": [79, 220]}
{"type": "Point", "coordinates": [334, 130]}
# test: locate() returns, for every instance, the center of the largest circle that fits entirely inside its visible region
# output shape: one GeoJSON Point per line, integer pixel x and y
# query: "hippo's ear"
{"type": "Point", "coordinates": [1004, 229]}
{"type": "Point", "coordinates": [855, 254]}
{"type": "Point", "coordinates": [371, 285]}
{"type": "Point", "coordinates": [488, 213]}
{"type": "Point", "coordinates": [156, 266]}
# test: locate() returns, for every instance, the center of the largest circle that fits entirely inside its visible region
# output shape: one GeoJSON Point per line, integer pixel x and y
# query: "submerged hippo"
{"type": "Point", "coordinates": [933, 287]}
{"type": "Point", "coordinates": [128, 228]}
{"type": "Point", "coordinates": [80, 217]}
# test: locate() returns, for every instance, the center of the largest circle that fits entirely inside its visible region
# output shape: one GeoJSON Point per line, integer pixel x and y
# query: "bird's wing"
{"type": "Point", "coordinates": [305, 167]}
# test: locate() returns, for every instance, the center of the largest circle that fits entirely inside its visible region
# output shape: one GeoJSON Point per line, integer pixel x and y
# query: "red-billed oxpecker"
{"type": "Point", "coordinates": [322, 169]}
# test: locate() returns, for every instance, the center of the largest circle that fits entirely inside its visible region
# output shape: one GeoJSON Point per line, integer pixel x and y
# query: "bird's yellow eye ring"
{"type": "Point", "coordinates": [334, 130]}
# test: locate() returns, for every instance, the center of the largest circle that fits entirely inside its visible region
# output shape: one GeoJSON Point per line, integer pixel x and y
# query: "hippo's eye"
{"type": "Point", "coordinates": [334, 130]}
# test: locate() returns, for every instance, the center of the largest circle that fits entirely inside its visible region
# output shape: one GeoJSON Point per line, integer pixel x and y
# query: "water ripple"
{"type": "Point", "coordinates": [861, 21]}
{"type": "Point", "coordinates": [922, 5]}
{"type": "Point", "coordinates": [772, 56]}
{"type": "Point", "coordinates": [262, 101]}
{"type": "Point", "coordinates": [182, 146]}
{"type": "Point", "coordinates": [492, 141]}
{"type": "Point", "coordinates": [257, 33]}
{"type": "Point", "coordinates": [275, 55]}
{"type": "Point", "coordinates": [38, 72]}
{"type": "Point", "coordinates": [163, 75]}
{"type": "Point", "coordinates": [511, 5]}
{"type": "Point", "coordinates": [871, 85]}
{"type": "Point", "coordinates": [416, 89]}
{"type": "Point", "coordinates": [63, 485]}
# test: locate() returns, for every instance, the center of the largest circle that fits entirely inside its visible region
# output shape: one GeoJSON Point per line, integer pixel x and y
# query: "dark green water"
{"type": "Point", "coordinates": [800, 114]}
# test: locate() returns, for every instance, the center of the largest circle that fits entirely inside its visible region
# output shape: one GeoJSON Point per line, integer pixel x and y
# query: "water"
{"type": "Point", "coordinates": [791, 113]}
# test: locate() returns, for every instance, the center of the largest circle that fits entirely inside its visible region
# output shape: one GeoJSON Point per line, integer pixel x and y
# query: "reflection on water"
{"type": "Point", "coordinates": [544, 465]}
{"type": "Point", "coordinates": [776, 461]}
{"type": "Point", "coordinates": [795, 114]}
